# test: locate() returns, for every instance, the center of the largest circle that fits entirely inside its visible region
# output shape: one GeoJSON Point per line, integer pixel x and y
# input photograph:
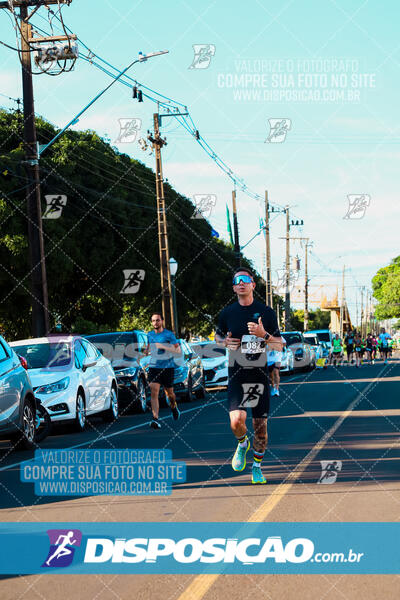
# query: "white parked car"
{"type": "Point", "coordinates": [71, 377]}
{"type": "Point", "coordinates": [215, 362]}
{"type": "Point", "coordinates": [287, 360]}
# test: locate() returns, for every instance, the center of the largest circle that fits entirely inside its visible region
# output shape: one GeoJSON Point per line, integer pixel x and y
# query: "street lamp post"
{"type": "Point", "coordinates": [173, 267]}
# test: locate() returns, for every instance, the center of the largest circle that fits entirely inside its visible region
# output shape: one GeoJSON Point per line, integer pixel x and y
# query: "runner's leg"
{"type": "Point", "coordinates": [155, 390]}
{"type": "Point", "coordinates": [239, 429]}
{"type": "Point", "coordinates": [171, 396]}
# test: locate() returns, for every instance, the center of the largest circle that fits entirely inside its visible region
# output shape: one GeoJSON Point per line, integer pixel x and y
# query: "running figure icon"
{"type": "Point", "coordinates": [62, 550]}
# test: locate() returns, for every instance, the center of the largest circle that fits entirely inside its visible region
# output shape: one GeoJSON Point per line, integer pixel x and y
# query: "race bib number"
{"type": "Point", "coordinates": [251, 344]}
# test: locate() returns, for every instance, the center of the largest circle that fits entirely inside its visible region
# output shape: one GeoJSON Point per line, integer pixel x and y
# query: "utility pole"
{"type": "Point", "coordinates": [236, 230]}
{"type": "Point", "coordinates": [362, 311]}
{"type": "Point", "coordinates": [166, 290]}
{"type": "Point", "coordinates": [306, 280]}
{"type": "Point", "coordinates": [40, 308]}
{"type": "Point", "coordinates": [268, 287]}
{"type": "Point", "coordinates": [342, 311]}
{"type": "Point", "coordinates": [287, 277]}
{"type": "Point", "coordinates": [306, 286]}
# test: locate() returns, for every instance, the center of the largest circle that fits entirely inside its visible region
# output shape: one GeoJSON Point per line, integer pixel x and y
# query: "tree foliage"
{"type": "Point", "coordinates": [386, 289]}
{"type": "Point", "coordinates": [317, 319]}
{"type": "Point", "coordinates": [108, 224]}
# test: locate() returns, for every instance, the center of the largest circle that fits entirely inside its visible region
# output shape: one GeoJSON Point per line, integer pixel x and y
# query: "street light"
{"type": "Point", "coordinates": [142, 58]}
{"type": "Point", "coordinates": [173, 267]}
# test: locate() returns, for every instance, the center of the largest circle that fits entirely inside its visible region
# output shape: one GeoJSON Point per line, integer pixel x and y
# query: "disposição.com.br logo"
{"type": "Point", "coordinates": [62, 547]}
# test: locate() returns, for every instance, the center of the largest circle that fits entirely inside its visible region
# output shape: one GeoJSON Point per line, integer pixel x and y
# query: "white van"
{"type": "Point", "coordinates": [323, 335]}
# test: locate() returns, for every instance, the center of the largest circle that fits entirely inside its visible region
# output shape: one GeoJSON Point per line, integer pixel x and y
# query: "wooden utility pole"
{"type": "Point", "coordinates": [287, 276]}
{"type": "Point", "coordinates": [342, 310]}
{"type": "Point", "coordinates": [307, 244]}
{"type": "Point", "coordinates": [362, 311]}
{"type": "Point", "coordinates": [268, 287]}
{"type": "Point", "coordinates": [166, 291]}
{"type": "Point", "coordinates": [306, 286]}
{"type": "Point", "coordinates": [40, 308]}
{"type": "Point", "coordinates": [235, 231]}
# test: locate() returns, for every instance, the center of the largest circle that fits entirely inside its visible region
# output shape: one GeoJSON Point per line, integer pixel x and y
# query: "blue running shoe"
{"type": "Point", "coordinates": [257, 476]}
{"type": "Point", "coordinates": [239, 458]}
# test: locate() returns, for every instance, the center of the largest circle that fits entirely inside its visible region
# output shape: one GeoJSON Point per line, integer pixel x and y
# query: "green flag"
{"type": "Point", "coordinates": [228, 220]}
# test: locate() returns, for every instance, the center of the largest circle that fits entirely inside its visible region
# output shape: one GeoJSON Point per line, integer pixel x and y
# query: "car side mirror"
{"type": "Point", "coordinates": [87, 363]}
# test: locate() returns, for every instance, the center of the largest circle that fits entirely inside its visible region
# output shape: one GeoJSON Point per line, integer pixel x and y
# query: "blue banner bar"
{"type": "Point", "coordinates": [195, 548]}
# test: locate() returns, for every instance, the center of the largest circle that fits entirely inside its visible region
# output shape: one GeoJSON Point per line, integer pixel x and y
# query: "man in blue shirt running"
{"type": "Point", "coordinates": [162, 347]}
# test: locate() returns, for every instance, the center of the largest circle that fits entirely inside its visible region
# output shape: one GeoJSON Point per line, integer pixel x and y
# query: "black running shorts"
{"type": "Point", "coordinates": [249, 388]}
{"type": "Point", "coordinates": [164, 377]}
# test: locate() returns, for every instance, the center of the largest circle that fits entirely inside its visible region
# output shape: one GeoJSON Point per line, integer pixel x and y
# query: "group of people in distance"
{"type": "Point", "coordinates": [357, 347]}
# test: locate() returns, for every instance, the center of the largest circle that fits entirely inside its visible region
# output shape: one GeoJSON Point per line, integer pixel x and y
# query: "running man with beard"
{"type": "Point", "coordinates": [162, 346]}
{"type": "Point", "coordinates": [245, 328]}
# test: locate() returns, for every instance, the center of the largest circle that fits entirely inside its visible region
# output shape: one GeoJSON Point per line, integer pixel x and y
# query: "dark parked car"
{"type": "Point", "coordinates": [17, 401]}
{"type": "Point", "coordinates": [125, 349]}
{"type": "Point", "coordinates": [188, 375]}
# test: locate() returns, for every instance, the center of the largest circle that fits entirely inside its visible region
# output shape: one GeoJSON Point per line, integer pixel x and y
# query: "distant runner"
{"type": "Point", "coordinates": [245, 328]}
{"type": "Point", "coordinates": [384, 338]}
{"type": "Point", "coordinates": [374, 348]}
{"type": "Point", "coordinates": [161, 347]}
{"type": "Point", "coordinates": [349, 341]}
{"type": "Point", "coordinates": [274, 370]}
{"type": "Point", "coordinates": [336, 350]}
{"type": "Point", "coordinates": [369, 348]}
{"type": "Point", "coordinates": [358, 349]}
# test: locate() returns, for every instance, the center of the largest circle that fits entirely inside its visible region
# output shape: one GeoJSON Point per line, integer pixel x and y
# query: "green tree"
{"type": "Point", "coordinates": [317, 319]}
{"type": "Point", "coordinates": [108, 225]}
{"type": "Point", "coordinates": [386, 289]}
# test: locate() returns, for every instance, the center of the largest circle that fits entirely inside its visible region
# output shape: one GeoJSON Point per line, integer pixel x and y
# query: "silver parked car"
{"type": "Point", "coordinates": [287, 360]}
{"type": "Point", "coordinates": [17, 401]}
{"type": "Point", "coordinates": [304, 354]}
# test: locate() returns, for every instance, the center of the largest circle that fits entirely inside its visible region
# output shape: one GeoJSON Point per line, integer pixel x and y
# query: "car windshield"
{"type": "Point", "coordinates": [324, 336]}
{"type": "Point", "coordinates": [292, 338]}
{"type": "Point", "coordinates": [45, 356]}
{"type": "Point", "coordinates": [209, 350]}
{"type": "Point", "coordinates": [310, 339]}
{"type": "Point", "coordinates": [116, 346]}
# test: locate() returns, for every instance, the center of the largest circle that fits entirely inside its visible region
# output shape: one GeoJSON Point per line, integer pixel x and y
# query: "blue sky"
{"type": "Point", "coordinates": [339, 145]}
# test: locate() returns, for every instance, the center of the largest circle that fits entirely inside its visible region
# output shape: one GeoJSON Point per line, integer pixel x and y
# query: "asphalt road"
{"type": "Point", "coordinates": [344, 414]}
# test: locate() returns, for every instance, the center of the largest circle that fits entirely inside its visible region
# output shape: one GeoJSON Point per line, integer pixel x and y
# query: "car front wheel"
{"type": "Point", "coordinates": [188, 396]}
{"type": "Point", "coordinates": [201, 390]}
{"type": "Point", "coordinates": [141, 396]}
{"type": "Point", "coordinates": [80, 414]}
{"type": "Point", "coordinates": [111, 414]}
{"type": "Point", "coordinates": [24, 439]}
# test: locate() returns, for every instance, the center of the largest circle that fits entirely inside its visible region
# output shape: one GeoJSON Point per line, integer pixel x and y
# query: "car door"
{"type": "Point", "coordinates": [105, 370]}
{"type": "Point", "coordinates": [93, 378]}
{"type": "Point", "coordinates": [194, 363]}
{"type": "Point", "coordinates": [10, 386]}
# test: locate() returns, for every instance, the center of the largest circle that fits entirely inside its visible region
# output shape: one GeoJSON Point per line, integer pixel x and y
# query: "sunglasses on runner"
{"type": "Point", "coordinates": [242, 279]}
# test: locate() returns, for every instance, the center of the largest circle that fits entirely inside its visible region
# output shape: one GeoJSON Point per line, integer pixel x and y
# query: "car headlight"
{"type": "Point", "coordinates": [127, 372]}
{"type": "Point", "coordinates": [51, 388]}
{"type": "Point", "coordinates": [221, 366]}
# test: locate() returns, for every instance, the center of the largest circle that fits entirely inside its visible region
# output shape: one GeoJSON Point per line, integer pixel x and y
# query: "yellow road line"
{"type": "Point", "coordinates": [200, 585]}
